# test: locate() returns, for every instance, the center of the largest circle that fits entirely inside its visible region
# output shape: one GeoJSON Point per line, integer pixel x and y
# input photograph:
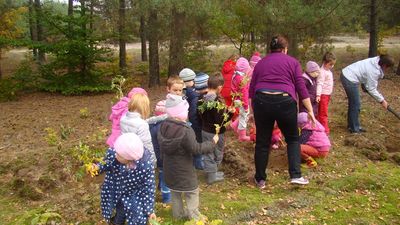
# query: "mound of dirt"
{"type": "Point", "coordinates": [239, 159]}
{"type": "Point", "coordinates": [362, 142]}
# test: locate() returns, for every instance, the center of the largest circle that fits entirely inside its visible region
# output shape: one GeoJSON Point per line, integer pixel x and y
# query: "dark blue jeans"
{"type": "Point", "coordinates": [283, 110]}
{"type": "Point", "coordinates": [119, 218]}
{"type": "Point", "coordinates": [354, 104]}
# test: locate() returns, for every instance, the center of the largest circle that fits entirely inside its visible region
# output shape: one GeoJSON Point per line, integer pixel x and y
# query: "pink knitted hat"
{"type": "Point", "coordinates": [137, 90]}
{"type": "Point", "coordinates": [254, 59]}
{"type": "Point", "coordinates": [312, 66]}
{"type": "Point", "coordinates": [177, 107]}
{"type": "Point", "coordinates": [242, 65]}
{"type": "Point", "coordinates": [302, 118]}
{"type": "Point", "coordinates": [160, 108]}
{"type": "Point", "coordinates": [129, 146]}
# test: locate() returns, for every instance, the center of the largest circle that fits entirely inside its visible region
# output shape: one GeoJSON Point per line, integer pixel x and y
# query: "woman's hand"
{"type": "Point", "coordinates": [312, 118]}
{"type": "Point", "coordinates": [318, 99]}
{"type": "Point", "coordinates": [384, 104]}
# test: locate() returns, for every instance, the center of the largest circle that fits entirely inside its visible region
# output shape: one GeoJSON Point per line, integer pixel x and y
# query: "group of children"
{"type": "Point", "coordinates": [187, 133]}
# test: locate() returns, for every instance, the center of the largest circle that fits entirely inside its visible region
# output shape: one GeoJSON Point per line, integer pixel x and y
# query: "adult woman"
{"type": "Point", "coordinates": [276, 82]}
{"type": "Point", "coordinates": [367, 72]}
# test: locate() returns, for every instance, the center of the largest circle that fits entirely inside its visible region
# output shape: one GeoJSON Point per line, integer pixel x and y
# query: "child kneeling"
{"type": "Point", "coordinates": [129, 185]}
{"type": "Point", "coordinates": [313, 139]}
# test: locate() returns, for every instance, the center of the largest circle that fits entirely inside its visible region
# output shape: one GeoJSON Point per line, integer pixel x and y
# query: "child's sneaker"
{"type": "Point", "coordinates": [260, 184]}
{"type": "Point", "coordinates": [300, 180]}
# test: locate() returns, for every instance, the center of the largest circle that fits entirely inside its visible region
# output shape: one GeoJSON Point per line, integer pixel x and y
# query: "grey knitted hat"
{"type": "Point", "coordinates": [187, 74]}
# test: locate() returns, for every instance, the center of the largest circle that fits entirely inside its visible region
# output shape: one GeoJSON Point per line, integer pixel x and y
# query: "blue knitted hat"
{"type": "Point", "coordinates": [201, 81]}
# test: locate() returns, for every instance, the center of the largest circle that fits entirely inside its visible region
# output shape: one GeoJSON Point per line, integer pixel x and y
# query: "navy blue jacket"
{"type": "Point", "coordinates": [193, 98]}
{"type": "Point", "coordinates": [154, 128]}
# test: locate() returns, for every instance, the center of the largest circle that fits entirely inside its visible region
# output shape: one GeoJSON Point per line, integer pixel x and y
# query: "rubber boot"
{"type": "Point", "coordinates": [235, 124]}
{"type": "Point", "coordinates": [213, 178]}
{"type": "Point", "coordinates": [243, 136]}
{"type": "Point", "coordinates": [220, 174]}
{"type": "Point", "coordinates": [165, 191]}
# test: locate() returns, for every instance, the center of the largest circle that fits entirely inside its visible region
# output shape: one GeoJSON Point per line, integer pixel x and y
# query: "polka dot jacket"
{"type": "Point", "coordinates": [134, 187]}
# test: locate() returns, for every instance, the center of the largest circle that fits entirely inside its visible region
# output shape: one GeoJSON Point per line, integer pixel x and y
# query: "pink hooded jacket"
{"type": "Point", "coordinates": [117, 111]}
{"type": "Point", "coordinates": [241, 81]}
{"type": "Point", "coordinates": [318, 138]}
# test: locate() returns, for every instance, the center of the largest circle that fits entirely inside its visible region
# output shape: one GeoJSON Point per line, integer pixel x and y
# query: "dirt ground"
{"type": "Point", "coordinates": [27, 157]}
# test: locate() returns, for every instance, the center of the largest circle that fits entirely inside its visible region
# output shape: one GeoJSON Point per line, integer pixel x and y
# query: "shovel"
{"type": "Point", "coordinates": [388, 108]}
{"type": "Point", "coordinates": [394, 112]}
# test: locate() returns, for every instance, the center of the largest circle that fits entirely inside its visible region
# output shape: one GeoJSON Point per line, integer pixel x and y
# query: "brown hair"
{"type": "Point", "coordinates": [215, 81]}
{"type": "Point", "coordinates": [386, 60]}
{"type": "Point", "coordinates": [278, 43]}
{"type": "Point", "coordinates": [328, 57]}
{"type": "Point", "coordinates": [140, 103]}
{"type": "Point", "coordinates": [174, 79]}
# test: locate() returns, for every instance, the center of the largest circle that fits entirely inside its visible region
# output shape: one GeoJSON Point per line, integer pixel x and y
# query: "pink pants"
{"type": "Point", "coordinates": [309, 151]}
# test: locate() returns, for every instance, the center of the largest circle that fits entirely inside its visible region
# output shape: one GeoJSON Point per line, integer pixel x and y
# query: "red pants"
{"type": "Point", "coordinates": [322, 116]}
{"type": "Point", "coordinates": [309, 151]}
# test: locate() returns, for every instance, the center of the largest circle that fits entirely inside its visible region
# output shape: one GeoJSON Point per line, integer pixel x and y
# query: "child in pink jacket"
{"type": "Point", "coordinates": [117, 111]}
{"type": "Point", "coordinates": [255, 58]}
{"type": "Point", "coordinates": [324, 88]}
{"type": "Point", "coordinates": [240, 95]}
{"type": "Point", "coordinates": [313, 139]}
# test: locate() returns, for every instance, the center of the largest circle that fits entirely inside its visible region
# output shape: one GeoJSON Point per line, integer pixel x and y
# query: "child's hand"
{"type": "Point", "coordinates": [216, 138]}
{"type": "Point", "coordinates": [251, 118]}
{"type": "Point", "coordinates": [153, 219]}
{"type": "Point", "coordinates": [152, 216]}
{"type": "Point", "coordinates": [231, 109]}
{"type": "Point", "coordinates": [92, 169]}
{"type": "Point", "coordinates": [318, 99]}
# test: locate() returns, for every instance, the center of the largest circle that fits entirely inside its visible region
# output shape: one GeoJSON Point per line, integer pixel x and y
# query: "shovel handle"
{"type": "Point", "coordinates": [394, 112]}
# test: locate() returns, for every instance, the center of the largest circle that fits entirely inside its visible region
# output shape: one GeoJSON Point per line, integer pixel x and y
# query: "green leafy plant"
{"type": "Point", "coordinates": [209, 105]}
{"type": "Point", "coordinates": [84, 113]}
{"type": "Point", "coordinates": [51, 137]}
{"type": "Point", "coordinates": [65, 131]}
{"type": "Point", "coordinates": [46, 217]}
{"type": "Point", "coordinates": [116, 84]}
{"type": "Point", "coordinates": [8, 90]}
{"type": "Point", "coordinates": [86, 156]}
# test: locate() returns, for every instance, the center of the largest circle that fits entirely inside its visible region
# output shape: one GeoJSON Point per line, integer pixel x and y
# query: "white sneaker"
{"type": "Point", "coordinates": [300, 180]}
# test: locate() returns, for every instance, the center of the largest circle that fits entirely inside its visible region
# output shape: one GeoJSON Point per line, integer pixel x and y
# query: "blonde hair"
{"type": "Point", "coordinates": [174, 80]}
{"type": "Point", "coordinates": [140, 103]}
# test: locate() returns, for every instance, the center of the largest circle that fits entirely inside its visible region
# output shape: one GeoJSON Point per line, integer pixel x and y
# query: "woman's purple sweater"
{"type": "Point", "coordinates": [278, 71]}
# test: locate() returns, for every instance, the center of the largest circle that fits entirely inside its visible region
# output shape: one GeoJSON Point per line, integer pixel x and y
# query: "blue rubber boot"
{"type": "Point", "coordinates": [165, 192]}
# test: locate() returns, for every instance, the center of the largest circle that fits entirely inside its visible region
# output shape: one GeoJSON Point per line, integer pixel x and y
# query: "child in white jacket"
{"type": "Point", "coordinates": [134, 122]}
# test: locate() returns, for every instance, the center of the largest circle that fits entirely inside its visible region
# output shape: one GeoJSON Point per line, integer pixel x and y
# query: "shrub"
{"type": "Point", "coordinates": [8, 90]}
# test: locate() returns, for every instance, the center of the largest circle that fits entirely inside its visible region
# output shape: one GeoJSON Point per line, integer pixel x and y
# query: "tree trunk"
{"type": "Point", "coordinates": [267, 38]}
{"type": "Point", "coordinates": [122, 40]}
{"type": "Point", "coordinates": [142, 31]}
{"type": "Point", "coordinates": [32, 28]}
{"type": "Point", "coordinates": [154, 67]}
{"type": "Point", "coordinates": [293, 49]}
{"type": "Point", "coordinates": [1, 71]}
{"type": "Point", "coordinates": [39, 30]}
{"type": "Point", "coordinates": [91, 25]}
{"type": "Point", "coordinates": [253, 41]}
{"type": "Point", "coordinates": [177, 42]}
{"type": "Point", "coordinates": [83, 57]}
{"type": "Point", "coordinates": [373, 30]}
{"type": "Point", "coordinates": [70, 7]}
